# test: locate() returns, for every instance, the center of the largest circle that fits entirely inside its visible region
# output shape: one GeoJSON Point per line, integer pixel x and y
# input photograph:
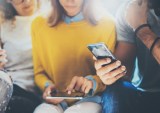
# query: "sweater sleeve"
{"type": "Point", "coordinates": [41, 78]}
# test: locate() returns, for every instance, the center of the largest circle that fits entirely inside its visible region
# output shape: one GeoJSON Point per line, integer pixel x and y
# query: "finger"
{"type": "Point", "coordinates": [44, 95]}
{"type": "Point", "coordinates": [88, 87]}
{"type": "Point", "coordinates": [106, 69]}
{"type": "Point", "coordinates": [114, 79]}
{"type": "Point", "coordinates": [3, 57]}
{"type": "Point", "coordinates": [94, 58]}
{"type": "Point", "coordinates": [99, 63]}
{"type": "Point", "coordinates": [72, 84]}
{"type": "Point", "coordinates": [120, 76]}
{"type": "Point", "coordinates": [2, 64]}
{"type": "Point", "coordinates": [48, 90]}
{"type": "Point", "coordinates": [2, 51]}
{"type": "Point", "coordinates": [84, 85]}
{"type": "Point", "coordinates": [79, 83]}
{"type": "Point", "coordinates": [114, 73]}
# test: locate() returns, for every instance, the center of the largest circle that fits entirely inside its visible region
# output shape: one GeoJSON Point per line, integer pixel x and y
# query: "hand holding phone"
{"type": "Point", "coordinates": [80, 84]}
{"type": "Point", "coordinates": [108, 72]}
{"type": "Point", "coordinates": [47, 93]}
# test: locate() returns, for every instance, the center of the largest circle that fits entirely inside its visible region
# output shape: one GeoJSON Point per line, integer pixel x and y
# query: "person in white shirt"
{"type": "Point", "coordinates": [16, 54]}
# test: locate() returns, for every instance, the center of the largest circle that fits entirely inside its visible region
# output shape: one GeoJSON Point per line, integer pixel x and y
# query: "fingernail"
{"type": "Point", "coordinates": [69, 92]}
{"type": "Point", "coordinates": [123, 68]}
{"type": "Point", "coordinates": [108, 60]}
{"type": "Point", "coordinates": [118, 63]}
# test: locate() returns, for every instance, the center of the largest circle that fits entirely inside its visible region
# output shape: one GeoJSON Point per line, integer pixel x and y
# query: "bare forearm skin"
{"type": "Point", "coordinates": [148, 37]}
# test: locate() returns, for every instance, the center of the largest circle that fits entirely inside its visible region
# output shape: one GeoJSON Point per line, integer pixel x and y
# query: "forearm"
{"type": "Point", "coordinates": [148, 37]}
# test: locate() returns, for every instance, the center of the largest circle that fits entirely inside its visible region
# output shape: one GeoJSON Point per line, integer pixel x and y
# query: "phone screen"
{"type": "Point", "coordinates": [100, 51]}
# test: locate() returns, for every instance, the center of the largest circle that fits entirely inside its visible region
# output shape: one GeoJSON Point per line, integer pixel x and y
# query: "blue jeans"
{"type": "Point", "coordinates": [22, 101]}
{"type": "Point", "coordinates": [123, 97]}
{"type": "Point", "coordinates": [6, 89]}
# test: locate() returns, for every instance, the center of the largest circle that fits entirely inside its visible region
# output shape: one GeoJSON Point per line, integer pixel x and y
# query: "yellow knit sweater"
{"type": "Point", "coordinates": [60, 53]}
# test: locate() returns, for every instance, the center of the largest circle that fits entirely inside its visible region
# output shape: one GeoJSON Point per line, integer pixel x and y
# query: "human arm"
{"type": "Point", "coordinates": [145, 34]}
{"type": "Point", "coordinates": [42, 79]}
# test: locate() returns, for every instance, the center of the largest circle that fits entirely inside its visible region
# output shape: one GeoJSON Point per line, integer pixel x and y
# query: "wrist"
{"type": "Point", "coordinates": [143, 31]}
{"type": "Point", "coordinates": [141, 27]}
{"type": "Point", "coordinates": [146, 36]}
{"type": "Point", "coordinates": [140, 24]}
{"type": "Point", "coordinates": [94, 83]}
{"type": "Point", "coordinates": [48, 83]}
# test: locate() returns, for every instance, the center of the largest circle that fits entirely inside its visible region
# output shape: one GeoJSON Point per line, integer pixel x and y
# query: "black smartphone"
{"type": "Point", "coordinates": [100, 51]}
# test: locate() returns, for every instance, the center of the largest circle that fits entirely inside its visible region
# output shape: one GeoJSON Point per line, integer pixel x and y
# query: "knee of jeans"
{"type": "Point", "coordinates": [110, 98]}
{"type": "Point", "coordinates": [47, 108]}
{"type": "Point", "coordinates": [71, 110]}
{"type": "Point", "coordinates": [119, 87]}
{"type": "Point", "coordinates": [111, 92]}
{"type": "Point", "coordinates": [85, 107]}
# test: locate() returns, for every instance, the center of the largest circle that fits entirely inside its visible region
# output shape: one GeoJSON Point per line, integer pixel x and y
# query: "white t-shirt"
{"type": "Point", "coordinates": [16, 40]}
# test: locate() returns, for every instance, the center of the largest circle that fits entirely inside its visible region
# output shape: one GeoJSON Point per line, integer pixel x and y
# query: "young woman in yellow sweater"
{"type": "Point", "coordinates": [61, 58]}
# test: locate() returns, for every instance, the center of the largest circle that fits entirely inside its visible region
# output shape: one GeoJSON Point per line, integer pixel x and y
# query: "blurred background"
{"type": "Point", "coordinates": [110, 6]}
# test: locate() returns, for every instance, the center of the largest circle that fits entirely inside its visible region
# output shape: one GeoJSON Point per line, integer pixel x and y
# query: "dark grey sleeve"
{"type": "Point", "coordinates": [124, 31]}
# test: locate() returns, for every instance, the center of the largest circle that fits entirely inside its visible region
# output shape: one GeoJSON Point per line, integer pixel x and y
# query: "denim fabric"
{"type": "Point", "coordinates": [6, 89]}
{"type": "Point", "coordinates": [22, 101]}
{"type": "Point", "coordinates": [123, 97]}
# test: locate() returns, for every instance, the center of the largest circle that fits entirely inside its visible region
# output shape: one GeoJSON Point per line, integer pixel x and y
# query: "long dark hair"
{"type": "Point", "coordinates": [58, 12]}
{"type": "Point", "coordinates": [8, 10]}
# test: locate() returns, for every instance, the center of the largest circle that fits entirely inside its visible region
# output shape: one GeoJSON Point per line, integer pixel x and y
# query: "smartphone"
{"type": "Point", "coordinates": [65, 95]}
{"type": "Point", "coordinates": [100, 51]}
